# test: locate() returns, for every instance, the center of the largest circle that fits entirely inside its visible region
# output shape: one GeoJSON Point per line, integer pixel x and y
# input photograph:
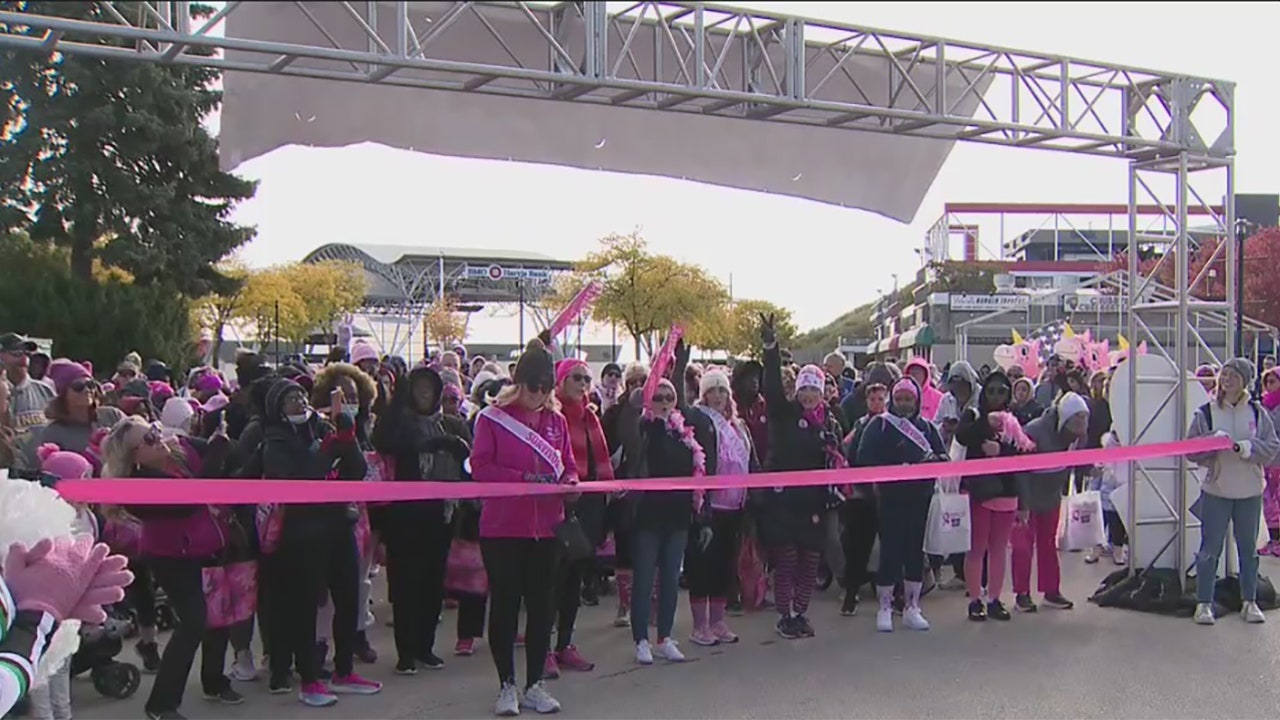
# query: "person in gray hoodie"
{"type": "Point", "coordinates": [962, 394]}
{"type": "Point", "coordinates": [1059, 429]}
{"type": "Point", "coordinates": [1233, 486]}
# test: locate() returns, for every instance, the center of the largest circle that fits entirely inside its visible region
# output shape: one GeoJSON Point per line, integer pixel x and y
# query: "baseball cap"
{"type": "Point", "coordinates": [15, 343]}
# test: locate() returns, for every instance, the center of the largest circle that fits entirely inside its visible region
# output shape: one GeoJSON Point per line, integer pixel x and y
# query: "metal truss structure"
{"type": "Point", "coordinates": [404, 285]}
{"type": "Point", "coordinates": [1101, 229]}
{"type": "Point", "coordinates": [1173, 130]}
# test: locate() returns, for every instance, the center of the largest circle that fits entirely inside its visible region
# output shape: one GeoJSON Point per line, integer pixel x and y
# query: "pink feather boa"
{"type": "Point", "coordinates": [1011, 432]}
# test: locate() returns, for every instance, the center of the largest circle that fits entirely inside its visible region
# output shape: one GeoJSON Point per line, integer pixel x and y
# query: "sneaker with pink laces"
{"type": "Point", "coordinates": [570, 659]}
{"type": "Point", "coordinates": [316, 694]}
{"type": "Point", "coordinates": [353, 684]}
{"type": "Point", "coordinates": [466, 647]}
{"type": "Point", "coordinates": [550, 669]}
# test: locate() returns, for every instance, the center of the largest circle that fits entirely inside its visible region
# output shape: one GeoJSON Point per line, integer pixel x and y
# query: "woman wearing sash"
{"type": "Point", "coordinates": [710, 571]}
{"type": "Point", "coordinates": [901, 437]}
{"type": "Point", "coordinates": [522, 438]}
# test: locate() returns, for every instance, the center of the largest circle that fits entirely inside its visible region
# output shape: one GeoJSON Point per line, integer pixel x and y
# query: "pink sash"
{"type": "Point", "coordinates": [911, 432]}
{"type": "Point", "coordinates": [528, 436]}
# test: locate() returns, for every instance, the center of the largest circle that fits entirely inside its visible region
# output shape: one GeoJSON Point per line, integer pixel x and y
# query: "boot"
{"type": "Point", "coordinates": [701, 634]}
{"type": "Point", "coordinates": [719, 628]}
{"type": "Point", "coordinates": [623, 618]}
{"type": "Point", "coordinates": [911, 616]}
{"type": "Point", "coordinates": [884, 615]}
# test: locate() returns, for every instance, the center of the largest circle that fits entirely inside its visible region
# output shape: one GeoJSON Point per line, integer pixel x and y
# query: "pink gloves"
{"type": "Point", "coordinates": [70, 578]}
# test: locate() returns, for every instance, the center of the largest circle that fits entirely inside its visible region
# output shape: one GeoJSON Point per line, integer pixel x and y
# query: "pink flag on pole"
{"type": "Point", "coordinates": [580, 303]}
{"type": "Point", "coordinates": [661, 361]}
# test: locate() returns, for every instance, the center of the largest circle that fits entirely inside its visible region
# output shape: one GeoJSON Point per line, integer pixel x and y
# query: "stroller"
{"type": "Point", "coordinates": [99, 647]}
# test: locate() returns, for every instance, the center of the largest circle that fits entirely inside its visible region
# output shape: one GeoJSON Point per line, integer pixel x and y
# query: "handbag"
{"type": "Point", "coordinates": [230, 593]}
{"type": "Point", "coordinates": [575, 546]}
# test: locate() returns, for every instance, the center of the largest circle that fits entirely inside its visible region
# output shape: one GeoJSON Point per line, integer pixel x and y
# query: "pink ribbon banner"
{"type": "Point", "coordinates": [112, 491]}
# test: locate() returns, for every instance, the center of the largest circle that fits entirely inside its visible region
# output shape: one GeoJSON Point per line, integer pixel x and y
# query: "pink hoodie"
{"type": "Point", "coordinates": [930, 397]}
{"type": "Point", "coordinates": [499, 456]}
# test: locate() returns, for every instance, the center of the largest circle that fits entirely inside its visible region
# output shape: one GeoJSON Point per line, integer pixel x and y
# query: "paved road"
{"type": "Point", "coordinates": [1085, 663]}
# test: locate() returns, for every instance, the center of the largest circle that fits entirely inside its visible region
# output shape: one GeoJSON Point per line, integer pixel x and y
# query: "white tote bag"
{"type": "Point", "coordinates": [1082, 525]}
{"type": "Point", "coordinates": [948, 528]}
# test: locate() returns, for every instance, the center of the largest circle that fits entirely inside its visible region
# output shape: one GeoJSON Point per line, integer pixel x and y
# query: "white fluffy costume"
{"type": "Point", "coordinates": [30, 513]}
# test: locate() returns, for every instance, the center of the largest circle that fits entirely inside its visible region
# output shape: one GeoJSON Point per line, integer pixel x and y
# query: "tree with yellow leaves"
{"type": "Point", "coordinates": [293, 302]}
{"type": "Point", "coordinates": [216, 311]}
{"type": "Point", "coordinates": [646, 293]}
{"type": "Point", "coordinates": [740, 326]}
{"type": "Point", "coordinates": [443, 324]}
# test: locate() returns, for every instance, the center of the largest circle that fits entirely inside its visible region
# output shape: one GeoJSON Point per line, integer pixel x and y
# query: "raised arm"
{"type": "Point", "coordinates": [775, 396]}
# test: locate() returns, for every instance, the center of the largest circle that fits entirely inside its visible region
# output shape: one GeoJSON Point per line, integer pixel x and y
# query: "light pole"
{"type": "Point", "coordinates": [1242, 234]}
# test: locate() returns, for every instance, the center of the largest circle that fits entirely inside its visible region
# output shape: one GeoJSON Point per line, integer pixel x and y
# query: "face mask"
{"type": "Point", "coordinates": [300, 419]}
{"type": "Point", "coordinates": [351, 409]}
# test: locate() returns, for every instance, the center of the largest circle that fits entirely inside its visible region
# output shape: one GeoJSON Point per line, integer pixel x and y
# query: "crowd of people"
{"type": "Point", "coordinates": [299, 576]}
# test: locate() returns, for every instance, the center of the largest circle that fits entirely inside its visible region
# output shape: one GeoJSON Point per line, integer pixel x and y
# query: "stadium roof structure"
{"type": "Point", "coordinates": [403, 278]}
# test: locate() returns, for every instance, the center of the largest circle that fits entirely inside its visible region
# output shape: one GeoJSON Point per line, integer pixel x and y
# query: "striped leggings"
{"type": "Point", "coordinates": [795, 572]}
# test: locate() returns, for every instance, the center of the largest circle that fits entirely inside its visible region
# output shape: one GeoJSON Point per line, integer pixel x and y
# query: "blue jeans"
{"type": "Point", "coordinates": [1244, 516]}
{"type": "Point", "coordinates": [655, 554]}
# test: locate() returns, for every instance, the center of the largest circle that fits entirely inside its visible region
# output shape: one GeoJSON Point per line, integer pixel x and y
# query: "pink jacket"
{"type": "Point", "coordinates": [499, 456]}
{"type": "Point", "coordinates": [930, 397]}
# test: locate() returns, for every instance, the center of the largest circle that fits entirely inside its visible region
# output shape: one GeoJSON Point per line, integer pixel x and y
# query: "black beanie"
{"type": "Point", "coordinates": [535, 369]}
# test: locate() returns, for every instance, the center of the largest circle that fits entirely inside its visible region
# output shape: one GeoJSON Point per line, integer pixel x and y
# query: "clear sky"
{"type": "Point", "coordinates": [816, 259]}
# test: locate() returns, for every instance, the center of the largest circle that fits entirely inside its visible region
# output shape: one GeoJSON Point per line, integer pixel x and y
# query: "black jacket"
{"type": "Point", "coordinates": [431, 447]}
{"type": "Point", "coordinates": [794, 515]}
{"type": "Point", "coordinates": [311, 451]}
{"type": "Point", "coordinates": [972, 431]}
{"type": "Point", "coordinates": [883, 444]}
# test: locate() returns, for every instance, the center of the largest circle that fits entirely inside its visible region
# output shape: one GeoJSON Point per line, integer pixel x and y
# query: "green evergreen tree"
{"type": "Point", "coordinates": [109, 159]}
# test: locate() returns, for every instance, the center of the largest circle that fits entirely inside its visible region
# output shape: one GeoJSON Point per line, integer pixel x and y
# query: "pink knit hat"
{"type": "Point", "coordinates": [565, 368]}
{"type": "Point", "coordinates": [812, 377]}
{"type": "Point", "coordinates": [361, 351]}
{"type": "Point", "coordinates": [63, 465]}
{"type": "Point", "coordinates": [63, 371]}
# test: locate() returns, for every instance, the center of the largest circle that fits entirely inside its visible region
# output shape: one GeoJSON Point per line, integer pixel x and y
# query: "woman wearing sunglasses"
{"type": "Point", "coordinates": [523, 438]}
{"type": "Point", "coordinates": [75, 412]}
{"type": "Point", "coordinates": [178, 542]}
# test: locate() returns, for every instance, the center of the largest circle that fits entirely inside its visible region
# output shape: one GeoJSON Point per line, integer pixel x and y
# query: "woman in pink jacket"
{"type": "Point", "coordinates": [918, 369]}
{"type": "Point", "coordinates": [522, 438]}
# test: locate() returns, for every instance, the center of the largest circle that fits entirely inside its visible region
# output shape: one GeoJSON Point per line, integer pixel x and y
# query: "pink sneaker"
{"type": "Point", "coordinates": [723, 634]}
{"type": "Point", "coordinates": [466, 647]}
{"type": "Point", "coordinates": [353, 684]}
{"type": "Point", "coordinates": [550, 669]}
{"type": "Point", "coordinates": [1272, 548]}
{"type": "Point", "coordinates": [570, 659]}
{"type": "Point", "coordinates": [703, 637]}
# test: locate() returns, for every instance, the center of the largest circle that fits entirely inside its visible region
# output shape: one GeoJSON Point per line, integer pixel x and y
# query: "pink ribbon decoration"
{"type": "Point", "coordinates": [661, 361]}
{"type": "Point", "coordinates": [250, 492]}
{"type": "Point", "coordinates": [585, 298]}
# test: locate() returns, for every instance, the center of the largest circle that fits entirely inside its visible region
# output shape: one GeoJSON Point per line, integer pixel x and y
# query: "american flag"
{"type": "Point", "coordinates": [1048, 335]}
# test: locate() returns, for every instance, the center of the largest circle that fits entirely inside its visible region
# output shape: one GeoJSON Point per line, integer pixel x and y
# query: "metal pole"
{"type": "Point", "coordinates": [1242, 234]}
{"type": "Point", "coordinates": [277, 333]}
{"type": "Point", "coordinates": [1182, 266]}
{"type": "Point", "coordinates": [520, 285]}
{"type": "Point", "coordinates": [613, 342]}
{"type": "Point", "coordinates": [1131, 329]}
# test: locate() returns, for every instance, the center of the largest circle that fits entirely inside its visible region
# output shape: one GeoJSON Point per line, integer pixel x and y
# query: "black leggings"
{"type": "Point", "coordinates": [141, 593]}
{"type": "Point", "coordinates": [568, 598]}
{"type": "Point", "coordinates": [903, 517]}
{"type": "Point", "coordinates": [183, 583]}
{"type": "Point", "coordinates": [417, 558]}
{"type": "Point", "coordinates": [710, 572]}
{"type": "Point", "coordinates": [301, 575]}
{"type": "Point", "coordinates": [520, 570]}
{"type": "Point", "coordinates": [858, 515]}
{"type": "Point", "coordinates": [471, 610]}
{"type": "Point", "coordinates": [617, 517]}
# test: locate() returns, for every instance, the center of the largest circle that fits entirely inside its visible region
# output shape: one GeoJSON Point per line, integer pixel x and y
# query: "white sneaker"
{"type": "Point", "coordinates": [508, 704]}
{"type": "Point", "coordinates": [669, 650]}
{"type": "Point", "coordinates": [884, 620]}
{"type": "Point", "coordinates": [1120, 555]}
{"type": "Point", "coordinates": [1091, 557]}
{"type": "Point", "coordinates": [539, 700]}
{"type": "Point", "coordinates": [1204, 614]}
{"type": "Point", "coordinates": [1252, 614]}
{"type": "Point", "coordinates": [644, 653]}
{"type": "Point", "coordinates": [953, 584]}
{"type": "Point", "coordinates": [243, 670]}
{"type": "Point", "coordinates": [914, 619]}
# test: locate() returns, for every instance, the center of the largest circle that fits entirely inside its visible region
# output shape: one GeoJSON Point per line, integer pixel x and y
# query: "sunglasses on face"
{"type": "Point", "coordinates": [998, 390]}
{"type": "Point", "coordinates": [664, 398]}
{"type": "Point", "coordinates": [539, 388]}
{"type": "Point", "coordinates": [82, 385]}
{"type": "Point", "coordinates": [580, 377]}
{"type": "Point", "coordinates": [154, 436]}
{"type": "Point", "coordinates": [615, 376]}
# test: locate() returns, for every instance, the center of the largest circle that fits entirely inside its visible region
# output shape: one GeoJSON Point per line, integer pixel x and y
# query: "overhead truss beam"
{"type": "Point", "coordinates": [676, 57]}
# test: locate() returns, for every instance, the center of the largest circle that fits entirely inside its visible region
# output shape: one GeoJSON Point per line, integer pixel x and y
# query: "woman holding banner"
{"type": "Point", "coordinates": [901, 437]}
{"type": "Point", "coordinates": [803, 436]}
{"type": "Point", "coordinates": [523, 438]}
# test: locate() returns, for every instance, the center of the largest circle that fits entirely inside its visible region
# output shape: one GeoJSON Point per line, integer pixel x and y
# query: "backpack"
{"type": "Point", "coordinates": [1208, 414]}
